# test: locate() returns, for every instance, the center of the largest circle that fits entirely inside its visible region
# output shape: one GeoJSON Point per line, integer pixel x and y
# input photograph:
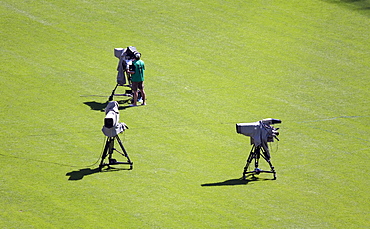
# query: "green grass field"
{"type": "Point", "coordinates": [209, 65]}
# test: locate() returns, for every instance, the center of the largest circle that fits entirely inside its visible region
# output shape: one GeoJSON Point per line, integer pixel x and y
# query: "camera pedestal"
{"type": "Point", "coordinates": [255, 154]}
{"type": "Point", "coordinates": [108, 151]}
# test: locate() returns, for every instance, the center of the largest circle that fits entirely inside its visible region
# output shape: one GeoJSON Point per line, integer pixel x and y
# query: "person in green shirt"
{"type": "Point", "coordinates": [137, 78]}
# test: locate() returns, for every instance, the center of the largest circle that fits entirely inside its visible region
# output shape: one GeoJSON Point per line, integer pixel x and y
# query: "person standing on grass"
{"type": "Point", "coordinates": [137, 78]}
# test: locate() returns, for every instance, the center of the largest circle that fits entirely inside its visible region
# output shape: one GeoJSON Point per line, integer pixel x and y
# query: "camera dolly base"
{"type": "Point", "coordinates": [108, 152]}
{"type": "Point", "coordinates": [255, 154]}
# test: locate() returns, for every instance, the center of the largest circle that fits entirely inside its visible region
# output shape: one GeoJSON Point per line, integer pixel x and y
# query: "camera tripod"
{"type": "Point", "coordinates": [255, 154]}
{"type": "Point", "coordinates": [108, 151]}
{"type": "Point", "coordinates": [125, 81]}
{"type": "Point", "coordinates": [127, 92]}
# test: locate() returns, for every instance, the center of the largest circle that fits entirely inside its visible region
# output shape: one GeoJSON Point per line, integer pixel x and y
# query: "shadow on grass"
{"type": "Point", "coordinates": [359, 5]}
{"type": "Point", "coordinates": [97, 106]}
{"type": "Point", "coordinates": [80, 174]}
{"type": "Point", "coordinates": [232, 182]}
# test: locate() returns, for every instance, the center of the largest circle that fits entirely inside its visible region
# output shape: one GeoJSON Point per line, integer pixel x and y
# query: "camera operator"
{"type": "Point", "coordinates": [137, 78]}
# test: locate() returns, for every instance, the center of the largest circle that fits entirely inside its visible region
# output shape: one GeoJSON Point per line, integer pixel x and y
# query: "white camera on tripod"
{"type": "Point", "coordinates": [112, 127]}
{"type": "Point", "coordinates": [260, 132]}
{"type": "Point", "coordinates": [125, 56]}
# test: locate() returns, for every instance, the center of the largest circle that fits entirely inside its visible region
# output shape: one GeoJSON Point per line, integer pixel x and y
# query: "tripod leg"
{"type": "Point", "coordinates": [110, 152]}
{"type": "Point", "coordinates": [124, 151]}
{"type": "Point", "coordinates": [272, 169]}
{"type": "Point", "coordinates": [129, 79]}
{"type": "Point", "coordinates": [105, 153]}
{"type": "Point", "coordinates": [267, 158]}
{"type": "Point", "coordinates": [130, 85]}
{"type": "Point", "coordinates": [249, 160]}
{"type": "Point", "coordinates": [258, 155]}
{"type": "Point", "coordinates": [114, 90]}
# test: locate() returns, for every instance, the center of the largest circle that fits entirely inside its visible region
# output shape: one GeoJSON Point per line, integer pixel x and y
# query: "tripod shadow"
{"type": "Point", "coordinates": [97, 106]}
{"type": "Point", "coordinates": [233, 182]}
{"type": "Point", "coordinates": [79, 175]}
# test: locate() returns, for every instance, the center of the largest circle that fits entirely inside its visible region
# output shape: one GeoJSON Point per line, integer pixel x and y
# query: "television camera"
{"type": "Point", "coordinates": [112, 127]}
{"type": "Point", "coordinates": [125, 56]}
{"type": "Point", "coordinates": [260, 134]}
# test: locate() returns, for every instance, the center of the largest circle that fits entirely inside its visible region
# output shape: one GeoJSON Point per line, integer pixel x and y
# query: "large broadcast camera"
{"type": "Point", "coordinates": [260, 133]}
{"type": "Point", "coordinates": [125, 56]}
{"type": "Point", "coordinates": [112, 127]}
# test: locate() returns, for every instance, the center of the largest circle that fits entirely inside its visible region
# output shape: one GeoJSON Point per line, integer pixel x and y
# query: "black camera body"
{"type": "Point", "coordinates": [131, 52]}
{"type": "Point", "coordinates": [126, 53]}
